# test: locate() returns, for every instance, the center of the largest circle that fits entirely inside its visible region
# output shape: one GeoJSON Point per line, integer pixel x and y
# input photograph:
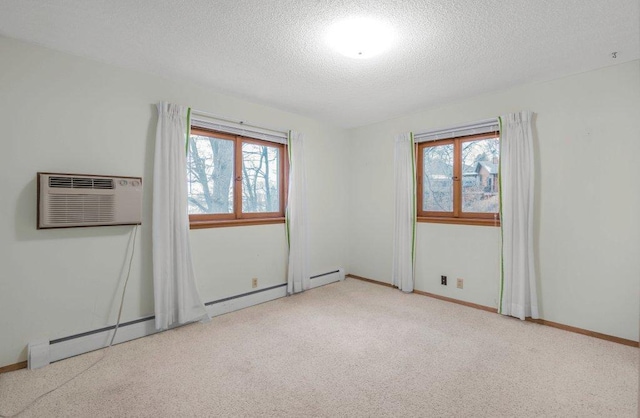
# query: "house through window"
{"type": "Point", "coordinates": [234, 180]}
{"type": "Point", "coordinates": [458, 180]}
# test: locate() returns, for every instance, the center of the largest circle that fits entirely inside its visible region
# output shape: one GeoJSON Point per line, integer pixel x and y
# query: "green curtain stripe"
{"type": "Point", "coordinates": [413, 203]}
{"type": "Point", "coordinates": [286, 213]}
{"type": "Point", "coordinates": [186, 146]}
{"type": "Point", "coordinates": [501, 222]}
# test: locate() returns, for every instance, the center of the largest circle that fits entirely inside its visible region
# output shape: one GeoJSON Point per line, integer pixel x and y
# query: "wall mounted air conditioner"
{"type": "Point", "coordinates": [73, 200]}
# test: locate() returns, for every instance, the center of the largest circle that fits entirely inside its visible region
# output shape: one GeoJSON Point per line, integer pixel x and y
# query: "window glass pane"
{"type": "Point", "coordinates": [437, 181]}
{"type": "Point", "coordinates": [210, 175]}
{"type": "Point", "coordinates": [480, 176]}
{"type": "Point", "coordinates": [260, 178]}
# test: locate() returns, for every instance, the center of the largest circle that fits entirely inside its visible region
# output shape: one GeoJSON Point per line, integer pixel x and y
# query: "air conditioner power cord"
{"type": "Point", "coordinates": [104, 350]}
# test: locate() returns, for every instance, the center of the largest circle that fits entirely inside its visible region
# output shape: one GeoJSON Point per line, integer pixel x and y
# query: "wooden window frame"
{"type": "Point", "coordinates": [457, 216]}
{"type": "Point", "coordinates": [237, 217]}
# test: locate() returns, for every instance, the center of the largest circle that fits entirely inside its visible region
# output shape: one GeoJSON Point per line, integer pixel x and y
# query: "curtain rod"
{"type": "Point", "coordinates": [239, 122]}
{"type": "Point", "coordinates": [480, 123]}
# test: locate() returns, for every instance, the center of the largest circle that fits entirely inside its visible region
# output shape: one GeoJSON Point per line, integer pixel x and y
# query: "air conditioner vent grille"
{"type": "Point", "coordinates": [75, 200]}
{"type": "Point", "coordinates": [80, 208]}
{"type": "Point", "coordinates": [81, 183]}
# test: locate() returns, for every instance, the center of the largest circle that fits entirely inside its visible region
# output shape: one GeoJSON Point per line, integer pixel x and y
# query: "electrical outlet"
{"type": "Point", "coordinates": [443, 280]}
{"type": "Point", "coordinates": [254, 282]}
{"type": "Point", "coordinates": [460, 283]}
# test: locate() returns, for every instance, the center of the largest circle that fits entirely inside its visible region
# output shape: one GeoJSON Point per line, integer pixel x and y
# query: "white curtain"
{"type": "Point", "coordinates": [404, 233]}
{"type": "Point", "coordinates": [175, 293]}
{"type": "Point", "coordinates": [518, 294]}
{"type": "Point", "coordinates": [297, 223]}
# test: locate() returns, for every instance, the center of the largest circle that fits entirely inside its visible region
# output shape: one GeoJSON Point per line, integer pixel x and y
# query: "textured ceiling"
{"type": "Point", "coordinates": [274, 51]}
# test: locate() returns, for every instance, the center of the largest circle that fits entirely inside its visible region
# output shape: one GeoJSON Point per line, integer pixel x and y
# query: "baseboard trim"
{"type": "Point", "coordinates": [431, 295]}
{"type": "Point", "coordinates": [458, 301]}
{"type": "Point", "coordinates": [586, 332]}
{"type": "Point", "coordinates": [364, 279]}
{"type": "Point", "coordinates": [13, 367]}
{"type": "Point", "coordinates": [551, 324]}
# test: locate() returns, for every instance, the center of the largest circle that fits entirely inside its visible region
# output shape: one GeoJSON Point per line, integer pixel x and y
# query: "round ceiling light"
{"type": "Point", "coordinates": [360, 38]}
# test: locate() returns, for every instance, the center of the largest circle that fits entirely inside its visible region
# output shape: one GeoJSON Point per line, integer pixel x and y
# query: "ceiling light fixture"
{"type": "Point", "coordinates": [360, 38]}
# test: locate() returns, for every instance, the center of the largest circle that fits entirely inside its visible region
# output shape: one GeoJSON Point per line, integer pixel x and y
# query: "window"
{"type": "Point", "coordinates": [234, 180]}
{"type": "Point", "coordinates": [458, 180]}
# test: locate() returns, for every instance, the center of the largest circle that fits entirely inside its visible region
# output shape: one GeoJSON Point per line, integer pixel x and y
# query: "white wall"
{"type": "Point", "coordinates": [62, 113]}
{"type": "Point", "coordinates": [587, 137]}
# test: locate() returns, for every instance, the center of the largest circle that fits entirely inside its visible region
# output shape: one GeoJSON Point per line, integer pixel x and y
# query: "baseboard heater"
{"type": "Point", "coordinates": [317, 276]}
{"type": "Point", "coordinates": [73, 345]}
{"type": "Point", "coordinates": [326, 278]}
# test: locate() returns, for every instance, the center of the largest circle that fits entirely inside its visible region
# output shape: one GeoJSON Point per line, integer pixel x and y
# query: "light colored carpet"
{"type": "Point", "coordinates": [348, 349]}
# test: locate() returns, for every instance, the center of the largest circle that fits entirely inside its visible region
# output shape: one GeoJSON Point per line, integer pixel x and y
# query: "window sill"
{"type": "Point", "coordinates": [234, 222]}
{"type": "Point", "coordinates": [460, 221]}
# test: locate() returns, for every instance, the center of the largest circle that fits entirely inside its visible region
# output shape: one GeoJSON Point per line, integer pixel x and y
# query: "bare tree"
{"type": "Point", "coordinates": [210, 172]}
{"type": "Point", "coordinates": [222, 174]}
{"type": "Point", "coordinates": [437, 181]}
{"type": "Point", "coordinates": [198, 173]}
{"type": "Point", "coordinates": [259, 194]}
{"type": "Point", "coordinates": [211, 176]}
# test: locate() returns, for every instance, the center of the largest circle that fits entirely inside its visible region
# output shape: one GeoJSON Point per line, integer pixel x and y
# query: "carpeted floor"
{"type": "Point", "coordinates": [348, 349]}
